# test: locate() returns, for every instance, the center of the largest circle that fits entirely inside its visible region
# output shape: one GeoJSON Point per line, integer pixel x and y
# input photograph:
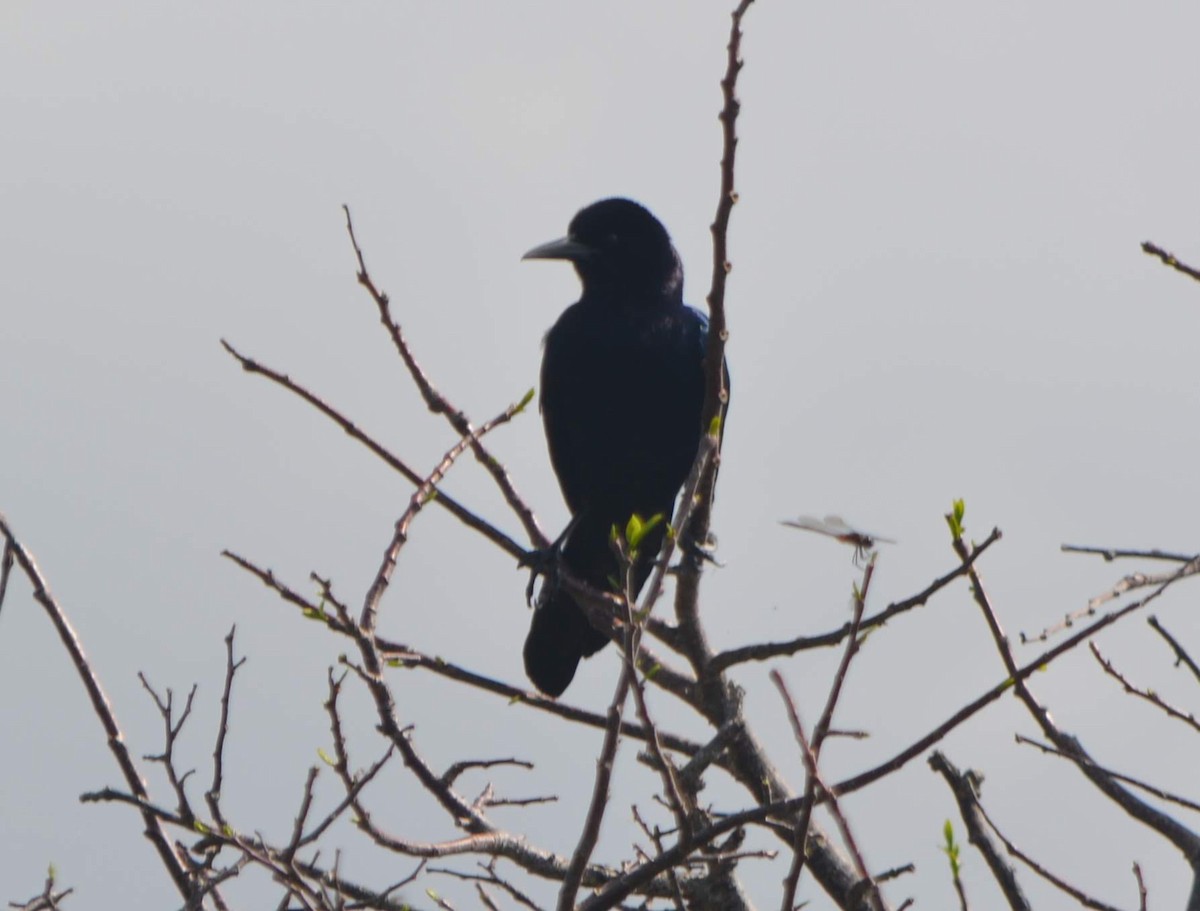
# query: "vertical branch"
{"type": "Point", "coordinates": [839, 678]}
{"type": "Point", "coordinates": [213, 795]}
{"type": "Point", "coordinates": [103, 709]}
{"type": "Point", "coordinates": [635, 620]}
{"type": "Point", "coordinates": [811, 753]}
{"type": "Point", "coordinates": [6, 565]}
{"type": "Point", "coordinates": [866, 887]}
{"type": "Point", "coordinates": [716, 390]}
{"type": "Point", "coordinates": [715, 393]}
{"type": "Point", "coordinates": [595, 814]}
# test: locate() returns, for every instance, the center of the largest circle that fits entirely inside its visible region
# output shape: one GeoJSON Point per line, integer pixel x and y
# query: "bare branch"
{"type": "Point", "coordinates": [965, 787]}
{"type": "Point", "coordinates": [767, 650]}
{"type": "Point", "coordinates": [1030, 667]}
{"type": "Point", "coordinates": [1149, 695]}
{"type": "Point", "coordinates": [172, 727]}
{"type": "Point", "coordinates": [1168, 259]}
{"type": "Point", "coordinates": [399, 655]}
{"type": "Point", "coordinates": [492, 878]}
{"type": "Point", "coordinates": [6, 565]}
{"type": "Point", "coordinates": [1150, 789]}
{"type": "Point", "coordinates": [438, 404]}
{"type": "Point", "coordinates": [1180, 836]}
{"type": "Point", "coordinates": [816, 788]}
{"type": "Point", "coordinates": [970, 784]}
{"type": "Point", "coordinates": [1116, 553]}
{"type": "Point", "coordinates": [213, 796]}
{"type": "Point", "coordinates": [1181, 655]}
{"type": "Point", "coordinates": [604, 769]}
{"type": "Point", "coordinates": [46, 900]}
{"type": "Point", "coordinates": [426, 490]}
{"type": "Point", "coordinates": [101, 706]}
{"type": "Point", "coordinates": [460, 512]}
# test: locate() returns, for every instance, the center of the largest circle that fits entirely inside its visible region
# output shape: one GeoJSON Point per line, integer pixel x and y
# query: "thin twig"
{"type": "Point", "coordinates": [6, 565]}
{"type": "Point", "coordinates": [1179, 835]}
{"type": "Point", "coordinates": [1118, 553]}
{"type": "Point", "coordinates": [1149, 695]}
{"type": "Point", "coordinates": [767, 650]}
{"type": "Point", "coordinates": [1152, 790]}
{"type": "Point", "coordinates": [172, 726]}
{"type": "Point", "coordinates": [1181, 654]}
{"type": "Point", "coordinates": [1029, 668]}
{"type": "Point", "coordinates": [655, 836]}
{"type": "Point", "coordinates": [816, 788]}
{"type": "Point", "coordinates": [426, 491]}
{"type": "Point", "coordinates": [595, 814]}
{"type": "Point", "coordinates": [800, 838]}
{"type": "Point", "coordinates": [213, 796]}
{"type": "Point", "coordinates": [399, 655]}
{"type": "Point", "coordinates": [460, 512]}
{"type": "Point", "coordinates": [103, 709]}
{"type": "Point", "coordinates": [1062, 885]}
{"type": "Point", "coordinates": [1168, 259]}
{"type": "Point", "coordinates": [964, 786]}
{"type": "Point", "coordinates": [439, 404]}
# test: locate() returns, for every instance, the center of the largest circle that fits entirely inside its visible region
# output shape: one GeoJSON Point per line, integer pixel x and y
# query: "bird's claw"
{"type": "Point", "coordinates": [540, 562]}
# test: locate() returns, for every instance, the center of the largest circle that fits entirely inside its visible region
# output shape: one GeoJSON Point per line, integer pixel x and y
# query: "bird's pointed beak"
{"type": "Point", "coordinates": [563, 248]}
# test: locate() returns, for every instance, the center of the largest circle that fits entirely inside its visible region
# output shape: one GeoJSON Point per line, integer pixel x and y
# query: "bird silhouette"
{"type": "Point", "coordinates": [622, 390]}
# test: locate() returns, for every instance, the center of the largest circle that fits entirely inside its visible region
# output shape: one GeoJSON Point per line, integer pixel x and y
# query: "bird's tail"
{"type": "Point", "coordinates": [560, 633]}
{"type": "Point", "coordinates": [558, 637]}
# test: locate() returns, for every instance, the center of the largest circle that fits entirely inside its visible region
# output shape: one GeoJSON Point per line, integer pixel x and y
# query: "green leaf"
{"type": "Point", "coordinates": [633, 530]}
{"type": "Point", "coordinates": [714, 428]}
{"type": "Point", "coordinates": [951, 849]}
{"type": "Point", "coordinates": [325, 757]}
{"type": "Point", "coordinates": [201, 827]}
{"type": "Point", "coordinates": [955, 518]}
{"type": "Point", "coordinates": [521, 405]}
{"type": "Point", "coordinates": [637, 528]}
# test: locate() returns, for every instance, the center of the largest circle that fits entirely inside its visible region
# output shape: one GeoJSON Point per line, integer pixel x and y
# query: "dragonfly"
{"type": "Point", "coordinates": [835, 527]}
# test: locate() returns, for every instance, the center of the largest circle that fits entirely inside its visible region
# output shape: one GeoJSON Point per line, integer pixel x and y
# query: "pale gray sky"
{"type": "Point", "coordinates": [937, 293]}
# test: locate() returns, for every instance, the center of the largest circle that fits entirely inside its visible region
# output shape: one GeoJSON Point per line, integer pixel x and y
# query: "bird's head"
{"type": "Point", "coordinates": [620, 251]}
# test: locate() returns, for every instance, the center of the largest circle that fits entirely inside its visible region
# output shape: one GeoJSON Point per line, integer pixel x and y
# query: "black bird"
{"type": "Point", "coordinates": [622, 394]}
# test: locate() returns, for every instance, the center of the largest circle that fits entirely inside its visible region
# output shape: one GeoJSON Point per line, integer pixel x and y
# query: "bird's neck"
{"type": "Point", "coordinates": [636, 296]}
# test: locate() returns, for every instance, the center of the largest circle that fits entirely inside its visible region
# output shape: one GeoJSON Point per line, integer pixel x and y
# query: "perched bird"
{"type": "Point", "coordinates": [621, 397]}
